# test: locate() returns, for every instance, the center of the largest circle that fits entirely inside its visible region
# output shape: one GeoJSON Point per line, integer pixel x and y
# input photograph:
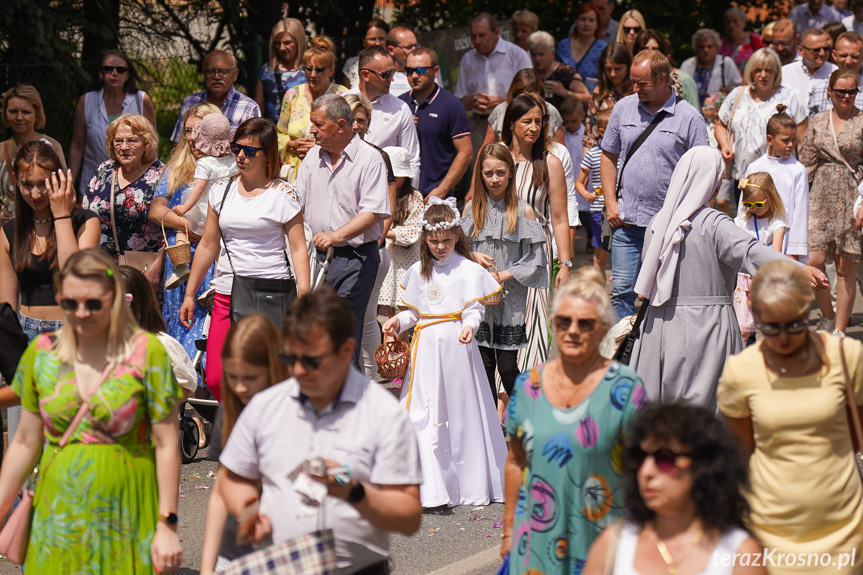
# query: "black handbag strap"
{"type": "Point", "coordinates": [625, 346]}
{"type": "Point", "coordinates": [637, 144]}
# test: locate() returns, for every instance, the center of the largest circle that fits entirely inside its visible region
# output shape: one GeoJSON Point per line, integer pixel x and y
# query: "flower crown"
{"type": "Point", "coordinates": [450, 203]}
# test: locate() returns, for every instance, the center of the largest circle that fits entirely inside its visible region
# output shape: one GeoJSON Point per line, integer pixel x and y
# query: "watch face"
{"type": "Point", "coordinates": [170, 518]}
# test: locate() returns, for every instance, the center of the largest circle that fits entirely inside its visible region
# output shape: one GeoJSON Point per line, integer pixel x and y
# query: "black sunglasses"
{"type": "Point", "coordinates": [419, 70]}
{"type": "Point", "coordinates": [825, 49]}
{"type": "Point", "coordinates": [564, 323]}
{"type": "Point", "coordinates": [791, 328]}
{"type": "Point", "coordinates": [308, 363]}
{"type": "Point", "coordinates": [250, 151]}
{"type": "Point", "coordinates": [71, 305]}
{"type": "Point", "coordinates": [842, 93]}
{"type": "Point", "coordinates": [315, 69]}
{"type": "Point", "coordinates": [384, 75]}
{"type": "Point", "coordinates": [665, 459]}
{"type": "Point", "coordinates": [109, 69]}
{"type": "Point", "coordinates": [632, 29]}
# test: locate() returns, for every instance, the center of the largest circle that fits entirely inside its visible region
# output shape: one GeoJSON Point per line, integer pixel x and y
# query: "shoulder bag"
{"type": "Point", "coordinates": [15, 534]}
{"type": "Point", "coordinates": [729, 164]}
{"type": "Point", "coordinates": [138, 260]}
{"type": "Point", "coordinates": [252, 295]}
{"type": "Point", "coordinates": [624, 350]}
{"type": "Point", "coordinates": [856, 427]}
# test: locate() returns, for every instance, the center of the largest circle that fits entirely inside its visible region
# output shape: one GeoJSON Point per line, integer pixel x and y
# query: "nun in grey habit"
{"type": "Point", "coordinates": [691, 257]}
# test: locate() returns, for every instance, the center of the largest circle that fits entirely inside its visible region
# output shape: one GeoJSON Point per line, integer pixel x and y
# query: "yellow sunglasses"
{"type": "Point", "coordinates": [751, 205]}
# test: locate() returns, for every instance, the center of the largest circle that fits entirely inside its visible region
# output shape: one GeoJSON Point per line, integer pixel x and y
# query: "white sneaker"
{"type": "Point", "coordinates": [826, 325]}
{"type": "Point", "coordinates": [177, 277]}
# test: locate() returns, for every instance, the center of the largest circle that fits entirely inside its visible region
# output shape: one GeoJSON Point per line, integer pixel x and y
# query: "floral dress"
{"type": "Point", "coordinates": [97, 503]}
{"type": "Point", "coordinates": [135, 231]}
{"type": "Point", "coordinates": [591, 131]}
{"type": "Point", "coordinates": [572, 487]}
{"type": "Point", "coordinates": [295, 120]}
{"type": "Point", "coordinates": [275, 84]}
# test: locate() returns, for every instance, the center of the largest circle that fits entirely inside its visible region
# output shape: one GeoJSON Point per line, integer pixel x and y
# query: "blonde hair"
{"type": "Point", "coordinates": [95, 265]}
{"type": "Point", "coordinates": [589, 273]}
{"type": "Point", "coordinates": [293, 28]}
{"type": "Point", "coordinates": [589, 290]}
{"type": "Point", "coordinates": [321, 46]}
{"type": "Point", "coordinates": [783, 288]}
{"type": "Point", "coordinates": [182, 161]}
{"type": "Point", "coordinates": [759, 58]}
{"type": "Point", "coordinates": [764, 182]}
{"type": "Point", "coordinates": [29, 94]}
{"type": "Point", "coordinates": [359, 101]}
{"type": "Point", "coordinates": [140, 127]}
{"type": "Point", "coordinates": [479, 204]}
{"type": "Point", "coordinates": [633, 14]}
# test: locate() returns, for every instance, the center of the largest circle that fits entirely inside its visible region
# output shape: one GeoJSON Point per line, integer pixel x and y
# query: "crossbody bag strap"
{"type": "Point", "coordinates": [120, 253]}
{"type": "Point", "coordinates": [637, 144]}
{"type": "Point", "coordinates": [219, 224]}
{"type": "Point", "coordinates": [9, 171]}
{"type": "Point", "coordinates": [737, 99]}
{"type": "Point", "coordinates": [839, 151]}
{"type": "Point", "coordinates": [852, 405]}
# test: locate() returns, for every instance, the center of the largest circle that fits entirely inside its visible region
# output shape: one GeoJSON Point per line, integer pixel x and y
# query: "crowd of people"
{"type": "Point", "coordinates": [286, 223]}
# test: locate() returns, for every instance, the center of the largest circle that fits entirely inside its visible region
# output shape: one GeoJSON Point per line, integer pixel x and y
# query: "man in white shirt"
{"type": "Point", "coordinates": [848, 55]}
{"type": "Point", "coordinates": [854, 22]}
{"type": "Point", "coordinates": [486, 72]}
{"type": "Point", "coordinates": [606, 22]}
{"type": "Point", "coordinates": [815, 51]}
{"type": "Point", "coordinates": [813, 14]}
{"type": "Point", "coordinates": [785, 41]}
{"type": "Point", "coordinates": [401, 41]}
{"type": "Point", "coordinates": [392, 123]}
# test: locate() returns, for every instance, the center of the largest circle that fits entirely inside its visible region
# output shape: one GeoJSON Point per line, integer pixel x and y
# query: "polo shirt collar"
{"type": "Point", "coordinates": [428, 100]}
{"type": "Point", "coordinates": [351, 392]}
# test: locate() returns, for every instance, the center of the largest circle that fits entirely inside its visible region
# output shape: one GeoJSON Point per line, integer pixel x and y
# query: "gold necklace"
{"type": "Point", "coordinates": [669, 560]}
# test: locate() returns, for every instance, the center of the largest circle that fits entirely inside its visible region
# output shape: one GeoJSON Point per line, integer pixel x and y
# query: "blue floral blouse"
{"type": "Point", "coordinates": [589, 65]}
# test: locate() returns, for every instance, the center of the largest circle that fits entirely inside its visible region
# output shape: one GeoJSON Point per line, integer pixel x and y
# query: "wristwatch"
{"type": "Point", "coordinates": [170, 518]}
{"type": "Point", "coordinates": [567, 263]}
{"type": "Point", "coordinates": [357, 493]}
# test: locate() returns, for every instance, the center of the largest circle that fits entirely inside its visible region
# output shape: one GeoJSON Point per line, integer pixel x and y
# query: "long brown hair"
{"type": "Point", "coordinates": [254, 340]}
{"type": "Point", "coordinates": [479, 204]}
{"type": "Point", "coordinates": [35, 154]}
{"type": "Point", "coordinates": [520, 106]}
{"type": "Point", "coordinates": [614, 53]}
{"type": "Point", "coordinates": [145, 307]}
{"type": "Point", "coordinates": [436, 214]}
{"type": "Point", "coordinates": [527, 80]}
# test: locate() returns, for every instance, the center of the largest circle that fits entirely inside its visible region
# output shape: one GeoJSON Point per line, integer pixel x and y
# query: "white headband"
{"type": "Point", "coordinates": [450, 203]}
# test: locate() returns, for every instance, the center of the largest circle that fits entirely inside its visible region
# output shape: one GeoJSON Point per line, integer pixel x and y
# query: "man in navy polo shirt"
{"type": "Point", "coordinates": [442, 125]}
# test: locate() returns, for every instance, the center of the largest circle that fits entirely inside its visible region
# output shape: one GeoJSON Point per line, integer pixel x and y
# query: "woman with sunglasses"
{"type": "Point", "coordinates": [319, 64]}
{"type": "Point", "coordinates": [101, 397]}
{"type": "Point", "coordinates": [567, 420]}
{"type": "Point", "coordinates": [116, 95]}
{"type": "Point", "coordinates": [252, 221]}
{"type": "Point", "coordinates": [631, 23]}
{"type": "Point", "coordinates": [687, 513]}
{"type": "Point", "coordinates": [688, 273]}
{"type": "Point", "coordinates": [784, 399]}
{"type": "Point", "coordinates": [47, 229]}
{"type": "Point", "coordinates": [833, 153]}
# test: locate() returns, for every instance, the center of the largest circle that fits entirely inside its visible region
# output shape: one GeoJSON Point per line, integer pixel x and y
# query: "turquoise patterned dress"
{"type": "Point", "coordinates": [572, 487]}
{"type": "Point", "coordinates": [97, 504]}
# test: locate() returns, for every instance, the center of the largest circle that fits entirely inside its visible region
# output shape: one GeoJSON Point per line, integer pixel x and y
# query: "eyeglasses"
{"type": "Point", "coordinates": [250, 151]}
{"type": "Point", "coordinates": [383, 75]}
{"type": "Point", "coordinates": [119, 69]}
{"type": "Point", "coordinates": [825, 49]}
{"type": "Point", "coordinates": [131, 142]}
{"type": "Point", "coordinates": [632, 29]}
{"type": "Point", "coordinates": [308, 363]}
{"type": "Point", "coordinates": [751, 205]}
{"type": "Point", "coordinates": [315, 69]}
{"type": "Point", "coordinates": [418, 70]}
{"type": "Point", "coordinates": [846, 93]}
{"type": "Point", "coordinates": [222, 72]}
{"type": "Point", "coordinates": [70, 305]}
{"type": "Point", "coordinates": [564, 323]}
{"type": "Point", "coordinates": [665, 459]}
{"type": "Point", "coordinates": [791, 328]}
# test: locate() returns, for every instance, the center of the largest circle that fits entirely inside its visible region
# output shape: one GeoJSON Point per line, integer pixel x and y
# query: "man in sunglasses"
{"type": "Point", "coordinates": [814, 51]}
{"type": "Point", "coordinates": [331, 417]}
{"type": "Point", "coordinates": [401, 41]}
{"type": "Point", "coordinates": [784, 42]}
{"type": "Point", "coordinates": [442, 125]}
{"type": "Point", "coordinates": [392, 123]}
{"type": "Point", "coordinates": [848, 55]}
{"type": "Point", "coordinates": [813, 14]}
{"type": "Point", "coordinates": [220, 73]}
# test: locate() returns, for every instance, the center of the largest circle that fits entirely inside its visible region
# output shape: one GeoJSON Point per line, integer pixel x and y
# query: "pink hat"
{"type": "Point", "coordinates": [213, 135]}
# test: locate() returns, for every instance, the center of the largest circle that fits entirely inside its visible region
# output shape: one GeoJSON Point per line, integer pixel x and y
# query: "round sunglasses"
{"type": "Point", "coordinates": [70, 305]}
{"type": "Point", "coordinates": [791, 328]}
{"type": "Point", "coordinates": [665, 459]}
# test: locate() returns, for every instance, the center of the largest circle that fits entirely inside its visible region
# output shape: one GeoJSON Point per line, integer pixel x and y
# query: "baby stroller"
{"type": "Point", "coordinates": [202, 401]}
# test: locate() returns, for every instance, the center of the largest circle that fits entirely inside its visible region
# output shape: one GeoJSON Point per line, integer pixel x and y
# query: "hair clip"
{"type": "Point", "coordinates": [745, 183]}
{"type": "Point", "coordinates": [110, 273]}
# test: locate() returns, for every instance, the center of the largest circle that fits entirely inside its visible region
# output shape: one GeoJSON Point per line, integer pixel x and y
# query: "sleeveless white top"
{"type": "Point", "coordinates": [728, 544]}
{"type": "Point", "coordinates": [96, 119]}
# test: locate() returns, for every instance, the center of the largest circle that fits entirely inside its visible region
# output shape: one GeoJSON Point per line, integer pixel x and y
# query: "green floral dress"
{"type": "Point", "coordinates": [97, 504]}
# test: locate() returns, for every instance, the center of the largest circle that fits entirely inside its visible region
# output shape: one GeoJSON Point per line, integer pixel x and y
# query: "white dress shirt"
{"type": "Point", "coordinates": [804, 19]}
{"type": "Point", "coordinates": [852, 24]}
{"type": "Point", "coordinates": [796, 76]}
{"type": "Point", "coordinates": [392, 124]}
{"type": "Point", "coordinates": [492, 75]}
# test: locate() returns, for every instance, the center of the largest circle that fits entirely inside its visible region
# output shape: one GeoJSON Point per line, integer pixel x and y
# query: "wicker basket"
{"type": "Point", "coordinates": [392, 358]}
{"type": "Point", "coordinates": [494, 299]}
{"type": "Point", "coordinates": [180, 254]}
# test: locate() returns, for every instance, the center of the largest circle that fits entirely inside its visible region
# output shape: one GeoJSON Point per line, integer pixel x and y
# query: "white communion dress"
{"type": "Point", "coordinates": [446, 392]}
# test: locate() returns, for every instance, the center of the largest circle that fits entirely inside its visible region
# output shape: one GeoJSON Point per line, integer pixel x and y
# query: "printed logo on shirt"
{"type": "Point", "coordinates": [432, 115]}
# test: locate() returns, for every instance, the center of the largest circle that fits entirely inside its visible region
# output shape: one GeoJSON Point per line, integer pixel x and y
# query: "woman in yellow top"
{"type": "Point", "coordinates": [319, 63]}
{"type": "Point", "coordinates": [784, 398]}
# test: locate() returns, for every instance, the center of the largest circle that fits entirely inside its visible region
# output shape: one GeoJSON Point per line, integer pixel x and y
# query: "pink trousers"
{"type": "Point", "coordinates": [220, 323]}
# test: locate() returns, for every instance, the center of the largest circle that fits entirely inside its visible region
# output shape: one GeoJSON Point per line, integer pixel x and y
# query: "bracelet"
{"type": "Point", "coordinates": [62, 218]}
